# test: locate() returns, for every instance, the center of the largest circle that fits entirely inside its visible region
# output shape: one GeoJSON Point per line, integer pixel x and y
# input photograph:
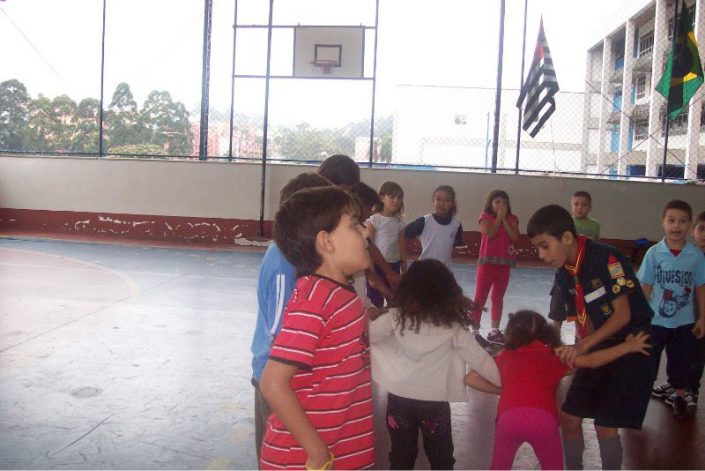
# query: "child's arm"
{"type": "Point", "coordinates": [647, 290]}
{"type": "Point", "coordinates": [699, 329]}
{"type": "Point", "coordinates": [620, 317]}
{"type": "Point", "coordinates": [490, 230]}
{"type": "Point", "coordinates": [276, 389]}
{"type": "Point", "coordinates": [377, 258]}
{"type": "Point", "coordinates": [403, 258]}
{"type": "Point", "coordinates": [511, 228]}
{"type": "Point", "coordinates": [476, 381]}
{"type": "Point", "coordinates": [633, 343]}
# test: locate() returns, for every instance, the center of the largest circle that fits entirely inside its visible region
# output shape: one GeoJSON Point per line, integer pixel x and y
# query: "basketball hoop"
{"type": "Point", "coordinates": [325, 64]}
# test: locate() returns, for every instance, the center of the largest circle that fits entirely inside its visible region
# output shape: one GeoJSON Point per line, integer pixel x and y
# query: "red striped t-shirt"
{"type": "Point", "coordinates": [324, 333]}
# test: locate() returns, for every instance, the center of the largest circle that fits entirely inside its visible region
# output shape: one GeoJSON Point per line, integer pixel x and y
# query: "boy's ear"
{"type": "Point", "coordinates": [323, 242]}
{"type": "Point", "coordinates": [567, 238]}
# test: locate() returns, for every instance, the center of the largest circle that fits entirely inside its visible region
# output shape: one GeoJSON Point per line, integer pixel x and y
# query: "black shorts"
{"type": "Point", "coordinates": [616, 395]}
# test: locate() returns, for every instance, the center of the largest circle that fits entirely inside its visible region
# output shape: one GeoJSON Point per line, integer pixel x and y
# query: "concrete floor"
{"type": "Point", "coordinates": [130, 357]}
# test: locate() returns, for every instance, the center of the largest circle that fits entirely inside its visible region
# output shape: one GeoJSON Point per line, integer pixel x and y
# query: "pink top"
{"type": "Point", "coordinates": [498, 249]}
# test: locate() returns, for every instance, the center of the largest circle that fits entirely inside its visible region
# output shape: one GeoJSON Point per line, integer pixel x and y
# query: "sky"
{"type": "Point", "coordinates": [53, 47]}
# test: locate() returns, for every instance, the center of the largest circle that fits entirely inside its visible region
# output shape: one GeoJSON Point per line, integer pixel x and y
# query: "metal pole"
{"type": "Point", "coordinates": [521, 84]}
{"type": "Point", "coordinates": [232, 87]}
{"type": "Point", "coordinates": [205, 79]}
{"type": "Point", "coordinates": [101, 115]}
{"type": "Point", "coordinates": [665, 136]}
{"type": "Point", "coordinates": [498, 99]}
{"type": "Point", "coordinates": [374, 86]}
{"type": "Point", "coordinates": [266, 120]}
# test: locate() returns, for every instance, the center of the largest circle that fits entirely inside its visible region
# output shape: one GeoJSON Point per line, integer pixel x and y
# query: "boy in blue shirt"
{"type": "Point", "coordinates": [275, 283]}
{"type": "Point", "coordinates": [672, 276]}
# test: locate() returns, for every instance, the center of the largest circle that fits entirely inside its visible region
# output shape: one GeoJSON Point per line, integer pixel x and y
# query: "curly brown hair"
{"type": "Point", "coordinates": [525, 326]}
{"type": "Point", "coordinates": [428, 292]}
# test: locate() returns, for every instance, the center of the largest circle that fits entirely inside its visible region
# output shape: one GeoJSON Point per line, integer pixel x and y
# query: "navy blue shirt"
{"type": "Point", "coordinates": [605, 275]}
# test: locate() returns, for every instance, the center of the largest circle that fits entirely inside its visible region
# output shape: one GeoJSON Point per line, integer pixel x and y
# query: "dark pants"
{"type": "Point", "coordinates": [697, 367]}
{"type": "Point", "coordinates": [404, 419]}
{"type": "Point", "coordinates": [680, 353]}
{"type": "Point", "coordinates": [375, 296]}
{"type": "Point", "coordinates": [262, 413]}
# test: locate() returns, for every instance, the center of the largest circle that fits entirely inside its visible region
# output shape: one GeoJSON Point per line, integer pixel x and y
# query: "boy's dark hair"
{"type": "Point", "coordinates": [525, 326]}
{"type": "Point", "coordinates": [583, 194]}
{"type": "Point", "coordinates": [680, 205]}
{"type": "Point", "coordinates": [341, 170]}
{"type": "Point", "coordinates": [497, 194]}
{"type": "Point", "coordinates": [365, 194]}
{"type": "Point", "coordinates": [302, 216]}
{"type": "Point", "coordinates": [448, 189]}
{"type": "Point", "coordinates": [389, 188]}
{"type": "Point", "coordinates": [301, 181]}
{"type": "Point", "coordinates": [553, 220]}
{"type": "Point", "coordinates": [428, 292]}
{"type": "Point", "coordinates": [700, 217]}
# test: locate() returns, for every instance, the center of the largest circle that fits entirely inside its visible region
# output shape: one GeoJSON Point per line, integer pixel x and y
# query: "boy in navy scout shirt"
{"type": "Point", "coordinates": [602, 292]}
{"type": "Point", "coordinates": [673, 278]}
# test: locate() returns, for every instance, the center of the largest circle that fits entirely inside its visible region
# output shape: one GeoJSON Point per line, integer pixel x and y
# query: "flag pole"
{"type": "Point", "coordinates": [521, 84]}
{"type": "Point", "coordinates": [665, 135]}
{"type": "Point", "coordinates": [498, 98]}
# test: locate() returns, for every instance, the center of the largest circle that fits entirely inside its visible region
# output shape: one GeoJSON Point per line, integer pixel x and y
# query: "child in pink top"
{"type": "Point", "coordinates": [499, 228]}
{"type": "Point", "coordinates": [530, 372]}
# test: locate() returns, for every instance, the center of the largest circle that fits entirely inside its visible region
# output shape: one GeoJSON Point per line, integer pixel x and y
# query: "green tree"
{"type": "Point", "coordinates": [122, 119]}
{"type": "Point", "coordinates": [130, 150]}
{"type": "Point", "coordinates": [40, 124]}
{"type": "Point", "coordinates": [87, 119]}
{"type": "Point", "coordinates": [14, 106]}
{"type": "Point", "coordinates": [62, 120]}
{"type": "Point", "coordinates": [166, 123]}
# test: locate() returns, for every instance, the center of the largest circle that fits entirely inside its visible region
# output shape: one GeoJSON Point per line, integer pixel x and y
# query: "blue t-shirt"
{"type": "Point", "coordinates": [673, 279]}
{"type": "Point", "coordinates": [275, 283]}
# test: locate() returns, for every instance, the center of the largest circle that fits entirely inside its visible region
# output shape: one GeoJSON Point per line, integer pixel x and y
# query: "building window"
{"type": "Point", "coordinates": [641, 87]}
{"type": "Point", "coordinates": [679, 125]}
{"type": "Point", "coordinates": [646, 43]}
{"type": "Point", "coordinates": [641, 130]}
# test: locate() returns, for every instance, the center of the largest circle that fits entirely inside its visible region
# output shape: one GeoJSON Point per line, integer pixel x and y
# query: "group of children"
{"type": "Point", "coordinates": [338, 307]}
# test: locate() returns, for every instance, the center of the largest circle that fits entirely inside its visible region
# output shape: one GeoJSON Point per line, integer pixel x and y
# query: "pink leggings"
{"type": "Point", "coordinates": [538, 427]}
{"type": "Point", "coordinates": [497, 278]}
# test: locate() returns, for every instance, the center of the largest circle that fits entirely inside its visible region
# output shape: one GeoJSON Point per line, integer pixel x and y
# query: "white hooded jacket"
{"type": "Point", "coordinates": [429, 365]}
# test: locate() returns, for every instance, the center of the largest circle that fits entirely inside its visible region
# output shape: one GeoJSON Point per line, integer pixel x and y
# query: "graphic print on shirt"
{"type": "Point", "coordinates": [673, 298]}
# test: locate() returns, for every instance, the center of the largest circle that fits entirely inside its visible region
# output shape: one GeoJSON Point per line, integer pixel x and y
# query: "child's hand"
{"type": "Point", "coordinates": [502, 212]}
{"type": "Point", "coordinates": [374, 312]}
{"type": "Point", "coordinates": [567, 353]}
{"type": "Point", "coordinates": [320, 461]}
{"type": "Point", "coordinates": [699, 329]}
{"type": "Point", "coordinates": [637, 343]}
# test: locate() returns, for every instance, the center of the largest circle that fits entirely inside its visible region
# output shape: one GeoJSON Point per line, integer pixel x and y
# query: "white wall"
{"type": "Point", "coordinates": [626, 210]}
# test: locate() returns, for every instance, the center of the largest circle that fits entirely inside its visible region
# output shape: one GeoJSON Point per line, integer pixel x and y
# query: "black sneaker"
{"type": "Point", "coordinates": [680, 408]}
{"type": "Point", "coordinates": [482, 342]}
{"type": "Point", "coordinates": [663, 391]}
{"type": "Point", "coordinates": [496, 337]}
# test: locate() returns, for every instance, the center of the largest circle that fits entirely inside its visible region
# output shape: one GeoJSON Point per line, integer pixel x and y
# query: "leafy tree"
{"type": "Point", "coordinates": [130, 150]}
{"type": "Point", "coordinates": [62, 119]}
{"type": "Point", "coordinates": [40, 124]}
{"type": "Point", "coordinates": [122, 119]}
{"type": "Point", "coordinates": [86, 124]}
{"type": "Point", "coordinates": [14, 105]}
{"type": "Point", "coordinates": [166, 123]}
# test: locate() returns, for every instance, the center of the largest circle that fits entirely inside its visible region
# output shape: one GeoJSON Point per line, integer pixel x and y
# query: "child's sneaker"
{"type": "Point", "coordinates": [680, 408]}
{"type": "Point", "coordinates": [691, 399]}
{"type": "Point", "coordinates": [482, 342]}
{"type": "Point", "coordinates": [496, 337]}
{"type": "Point", "coordinates": [663, 391]}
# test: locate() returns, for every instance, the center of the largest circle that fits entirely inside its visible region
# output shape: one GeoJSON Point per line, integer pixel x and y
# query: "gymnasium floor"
{"type": "Point", "coordinates": [131, 357]}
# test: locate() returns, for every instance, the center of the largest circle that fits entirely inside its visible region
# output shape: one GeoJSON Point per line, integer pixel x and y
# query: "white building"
{"type": "Point", "coordinates": [624, 115]}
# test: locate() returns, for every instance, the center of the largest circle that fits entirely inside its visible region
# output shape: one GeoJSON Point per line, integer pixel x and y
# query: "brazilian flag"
{"type": "Point", "coordinates": [684, 73]}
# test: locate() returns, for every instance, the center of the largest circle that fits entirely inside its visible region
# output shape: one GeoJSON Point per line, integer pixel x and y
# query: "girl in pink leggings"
{"type": "Point", "coordinates": [499, 229]}
{"type": "Point", "coordinates": [530, 372]}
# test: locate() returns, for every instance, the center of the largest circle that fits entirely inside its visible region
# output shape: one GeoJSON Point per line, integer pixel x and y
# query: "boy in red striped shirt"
{"type": "Point", "coordinates": [317, 379]}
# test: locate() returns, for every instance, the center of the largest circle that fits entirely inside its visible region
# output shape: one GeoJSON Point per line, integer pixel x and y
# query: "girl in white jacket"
{"type": "Point", "coordinates": [421, 352]}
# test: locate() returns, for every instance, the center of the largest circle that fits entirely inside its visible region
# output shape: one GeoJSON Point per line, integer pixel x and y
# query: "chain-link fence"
{"type": "Point", "coordinates": [151, 103]}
